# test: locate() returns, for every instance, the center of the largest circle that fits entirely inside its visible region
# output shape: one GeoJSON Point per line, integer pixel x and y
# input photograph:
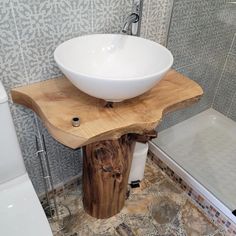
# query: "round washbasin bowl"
{"type": "Point", "coordinates": [113, 67]}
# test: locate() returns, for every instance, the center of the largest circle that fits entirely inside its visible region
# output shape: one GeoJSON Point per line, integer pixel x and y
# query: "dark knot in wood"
{"type": "Point", "coordinates": [109, 105]}
{"type": "Point", "coordinates": [114, 172]}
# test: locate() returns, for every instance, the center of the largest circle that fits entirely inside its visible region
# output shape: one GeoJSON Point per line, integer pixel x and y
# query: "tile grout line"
{"type": "Point", "coordinates": [231, 103]}
{"type": "Point", "coordinates": [19, 41]}
{"type": "Point", "coordinates": [232, 53]}
{"type": "Point", "coordinates": [147, 17]}
{"type": "Point", "coordinates": [92, 9]}
{"type": "Point", "coordinates": [185, 66]}
{"type": "Point", "coordinates": [38, 130]}
{"type": "Point", "coordinates": [23, 59]}
{"type": "Point", "coordinates": [169, 23]}
{"type": "Point", "coordinates": [223, 70]}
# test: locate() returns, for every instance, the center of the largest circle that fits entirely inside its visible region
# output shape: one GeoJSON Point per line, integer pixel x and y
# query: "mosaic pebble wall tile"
{"type": "Point", "coordinates": [30, 32]}
{"type": "Point", "coordinates": [200, 36]}
{"type": "Point", "coordinates": [158, 207]}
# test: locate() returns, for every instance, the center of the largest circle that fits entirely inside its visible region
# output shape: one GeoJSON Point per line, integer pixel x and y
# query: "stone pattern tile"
{"type": "Point", "coordinates": [209, 209]}
{"type": "Point", "coordinates": [200, 36]}
{"type": "Point", "coordinates": [158, 207]}
{"type": "Point", "coordinates": [29, 33]}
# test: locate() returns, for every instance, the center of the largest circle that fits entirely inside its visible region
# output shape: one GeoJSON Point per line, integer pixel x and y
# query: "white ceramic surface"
{"type": "Point", "coordinates": [21, 213]}
{"type": "Point", "coordinates": [113, 67]}
{"type": "Point", "coordinates": [3, 94]}
{"type": "Point", "coordinates": [11, 161]}
{"type": "Point", "coordinates": [138, 162]}
{"type": "Point", "coordinates": [20, 210]}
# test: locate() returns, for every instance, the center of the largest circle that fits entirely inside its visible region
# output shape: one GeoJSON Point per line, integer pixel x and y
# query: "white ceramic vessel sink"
{"type": "Point", "coordinates": [113, 67]}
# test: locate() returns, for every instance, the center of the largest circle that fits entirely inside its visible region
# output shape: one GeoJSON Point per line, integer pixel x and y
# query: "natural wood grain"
{"type": "Point", "coordinates": [106, 168]}
{"type": "Point", "coordinates": [56, 101]}
{"type": "Point", "coordinates": [105, 176]}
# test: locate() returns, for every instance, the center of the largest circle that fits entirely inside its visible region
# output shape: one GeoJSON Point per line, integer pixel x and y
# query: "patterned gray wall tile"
{"type": "Point", "coordinates": [12, 71]}
{"type": "Point", "coordinates": [233, 48]}
{"type": "Point", "coordinates": [30, 30]}
{"type": "Point", "coordinates": [144, 21]}
{"type": "Point", "coordinates": [109, 15]}
{"type": "Point", "coordinates": [197, 31]}
{"type": "Point", "coordinates": [229, 15]}
{"type": "Point", "coordinates": [71, 162]}
{"type": "Point", "coordinates": [225, 93]}
{"type": "Point", "coordinates": [65, 163]}
{"type": "Point", "coordinates": [31, 19]}
{"type": "Point", "coordinates": [200, 38]}
{"type": "Point", "coordinates": [71, 19]}
{"type": "Point", "coordinates": [232, 110]}
{"type": "Point", "coordinates": [157, 25]}
{"type": "Point", "coordinates": [179, 116]}
{"type": "Point", "coordinates": [202, 74]}
{"type": "Point", "coordinates": [156, 19]}
{"type": "Point", "coordinates": [26, 131]}
{"type": "Point", "coordinates": [18, 111]}
{"type": "Point", "coordinates": [29, 33]}
{"type": "Point", "coordinates": [226, 90]}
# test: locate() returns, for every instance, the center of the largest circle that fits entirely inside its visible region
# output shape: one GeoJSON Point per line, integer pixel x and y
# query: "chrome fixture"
{"type": "Point", "coordinates": [55, 212]}
{"type": "Point", "coordinates": [132, 24]}
{"type": "Point", "coordinates": [75, 121]}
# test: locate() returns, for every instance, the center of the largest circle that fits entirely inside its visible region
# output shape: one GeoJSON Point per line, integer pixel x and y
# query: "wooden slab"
{"type": "Point", "coordinates": [57, 101]}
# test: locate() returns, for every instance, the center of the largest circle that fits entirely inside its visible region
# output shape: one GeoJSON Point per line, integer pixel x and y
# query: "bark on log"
{"type": "Point", "coordinates": [106, 168]}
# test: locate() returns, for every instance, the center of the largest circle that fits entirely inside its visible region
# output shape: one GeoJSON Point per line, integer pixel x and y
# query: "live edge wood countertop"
{"type": "Point", "coordinates": [57, 101]}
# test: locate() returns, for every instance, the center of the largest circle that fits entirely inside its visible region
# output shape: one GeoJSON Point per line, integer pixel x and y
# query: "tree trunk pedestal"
{"type": "Point", "coordinates": [106, 167]}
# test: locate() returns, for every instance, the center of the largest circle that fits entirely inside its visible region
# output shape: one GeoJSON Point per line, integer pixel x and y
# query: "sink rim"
{"type": "Point", "coordinates": [110, 78]}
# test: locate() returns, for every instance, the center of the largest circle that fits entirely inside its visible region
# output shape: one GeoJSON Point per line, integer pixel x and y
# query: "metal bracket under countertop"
{"type": "Point", "coordinates": [52, 208]}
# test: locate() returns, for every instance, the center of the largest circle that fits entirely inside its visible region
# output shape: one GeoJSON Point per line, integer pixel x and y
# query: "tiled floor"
{"type": "Point", "coordinates": [158, 207]}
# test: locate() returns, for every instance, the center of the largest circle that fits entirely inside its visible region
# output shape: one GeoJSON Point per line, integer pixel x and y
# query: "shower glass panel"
{"type": "Point", "coordinates": [202, 138]}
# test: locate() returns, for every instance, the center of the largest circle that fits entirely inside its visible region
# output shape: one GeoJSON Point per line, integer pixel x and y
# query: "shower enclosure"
{"type": "Point", "coordinates": [199, 143]}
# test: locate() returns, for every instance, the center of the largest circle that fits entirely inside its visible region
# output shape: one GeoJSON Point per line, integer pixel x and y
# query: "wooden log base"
{"type": "Point", "coordinates": [106, 168]}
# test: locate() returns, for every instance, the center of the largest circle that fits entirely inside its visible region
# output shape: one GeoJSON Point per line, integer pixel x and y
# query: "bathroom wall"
{"type": "Point", "coordinates": [200, 37]}
{"type": "Point", "coordinates": [225, 96]}
{"type": "Point", "coordinates": [29, 32]}
{"type": "Point", "coordinates": [201, 34]}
